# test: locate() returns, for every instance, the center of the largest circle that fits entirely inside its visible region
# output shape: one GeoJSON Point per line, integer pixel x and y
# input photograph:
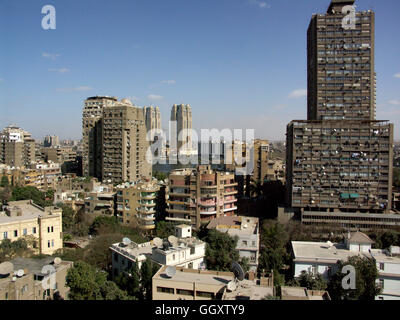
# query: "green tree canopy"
{"type": "Point", "coordinates": [366, 275]}
{"type": "Point", "coordinates": [220, 250]}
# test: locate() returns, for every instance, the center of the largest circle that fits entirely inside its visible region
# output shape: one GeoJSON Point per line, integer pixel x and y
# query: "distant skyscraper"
{"type": "Point", "coordinates": [51, 141]}
{"type": "Point", "coordinates": [152, 118]}
{"type": "Point", "coordinates": [92, 135]}
{"type": "Point", "coordinates": [182, 114]}
{"type": "Point", "coordinates": [17, 148]}
{"type": "Point", "coordinates": [124, 143]}
{"type": "Point", "coordinates": [340, 159]}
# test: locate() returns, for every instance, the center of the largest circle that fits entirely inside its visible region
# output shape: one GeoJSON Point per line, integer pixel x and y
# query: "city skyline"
{"type": "Point", "coordinates": [228, 67]}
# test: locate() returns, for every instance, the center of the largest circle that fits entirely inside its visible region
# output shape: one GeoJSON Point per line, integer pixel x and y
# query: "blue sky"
{"type": "Point", "coordinates": [239, 63]}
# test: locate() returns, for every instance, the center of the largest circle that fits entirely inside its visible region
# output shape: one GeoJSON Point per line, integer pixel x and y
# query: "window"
{"type": "Point", "coordinates": [15, 233]}
{"type": "Point", "coordinates": [192, 250]}
{"type": "Point", "coordinates": [48, 229]}
{"type": "Point", "coordinates": [253, 243]}
{"type": "Point", "coordinates": [381, 266]}
{"type": "Point", "coordinates": [244, 242]}
{"type": "Point", "coordinates": [6, 296]}
{"type": "Point", "coordinates": [25, 232]}
{"type": "Point", "coordinates": [205, 294]}
{"type": "Point", "coordinates": [5, 235]}
{"type": "Point", "coordinates": [48, 244]}
{"type": "Point", "coordinates": [165, 290]}
{"type": "Point", "coordinates": [184, 292]}
{"type": "Point", "coordinates": [52, 229]}
{"type": "Point", "coordinates": [52, 243]}
{"type": "Point", "coordinates": [381, 283]}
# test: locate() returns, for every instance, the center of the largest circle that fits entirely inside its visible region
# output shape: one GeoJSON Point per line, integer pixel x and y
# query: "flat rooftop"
{"type": "Point", "coordinates": [204, 277]}
{"type": "Point", "coordinates": [28, 211]}
{"type": "Point", "coordinates": [306, 251]}
{"type": "Point", "coordinates": [235, 225]}
{"type": "Point", "coordinates": [133, 250]}
{"type": "Point", "coordinates": [249, 290]}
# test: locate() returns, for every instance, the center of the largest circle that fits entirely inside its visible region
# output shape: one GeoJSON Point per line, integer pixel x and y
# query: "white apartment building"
{"type": "Point", "coordinates": [247, 231]}
{"type": "Point", "coordinates": [181, 250]}
{"type": "Point", "coordinates": [321, 257]}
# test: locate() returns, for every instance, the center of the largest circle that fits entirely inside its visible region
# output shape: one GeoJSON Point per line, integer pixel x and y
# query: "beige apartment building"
{"type": "Point", "coordinates": [24, 218]}
{"type": "Point", "coordinates": [341, 158]}
{"type": "Point", "coordinates": [124, 143]}
{"type": "Point", "coordinates": [92, 146]}
{"type": "Point", "coordinates": [32, 283]}
{"type": "Point", "coordinates": [17, 147]}
{"type": "Point", "coordinates": [189, 284]}
{"type": "Point", "coordinates": [136, 203]}
{"type": "Point", "coordinates": [196, 196]}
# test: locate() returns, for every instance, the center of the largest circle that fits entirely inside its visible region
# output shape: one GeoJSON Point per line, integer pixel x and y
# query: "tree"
{"type": "Point", "coordinates": [147, 271]}
{"type": "Point", "coordinates": [104, 224]}
{"type": "Point", "coordinates": [220, 250]}
{"type": "Point", "coordinates": [365, 282]}
{"type": "Point", "coordinates": [87, 283]}
{"type": "Point", "coordinates": [4, 181]}
{"type": "Point", "coordinates": [159, 175]}
{"type": "Point", "coordinates": [28, 193]}
{"type": "Point", "coordinates": [68, 218]}
{"type": "Point", "coordinates": [164, 229]}
{"type": "Point", "coordinates": [256, 188]}
{"type": "Point", "coordinates": [130, 282]}
{"type": "Point", "coordinates": [310, 281]}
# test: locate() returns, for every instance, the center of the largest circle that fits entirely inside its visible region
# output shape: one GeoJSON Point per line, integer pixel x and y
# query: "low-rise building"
{"type": "Point", "coordinates": [24, 218]}
{"type": "Point", "coordinates": [100, 201]}
{"type": "Point", "coordinates": [181, 250]}
{"type": "Point", "coordinates": [189, 284]}
{"type": "Point", "coordinates": [247, 231]}
{"type": "Point", "coordinates": [319, 257]}
{"type": "Point", "coordinates": [32, 281]}
{"type": "Point", "coordinates": [299, 293]}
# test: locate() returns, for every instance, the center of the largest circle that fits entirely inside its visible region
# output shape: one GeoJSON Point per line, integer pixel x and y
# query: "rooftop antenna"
{"type": "Point", "coordinates": [173, 240]}
{"type": "Point", "coordinates": [20, 273]}
{"type": "Point", "coordinates": [237, 270]}
{"type": "Point", "coordinates": [170, 271]}
{"type": "Point", "coordinates": [157, 242]}
{"type": "Point", "coordinates": [126, 241]}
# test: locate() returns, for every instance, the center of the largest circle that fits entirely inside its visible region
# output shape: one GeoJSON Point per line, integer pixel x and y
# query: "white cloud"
{"type": "Point", "coordinates": [59, 70]}
{"type": "Point", "coordinates": [154, 97]}
{"type": "Point", "coordinates": [82, 88]}
{"type": "Point", "coordinates": [397, 75]}
{"type": "Point", "coordinates": [299, 93]}
{"type": "Point", "coordinates": [394, 102]}
{"type": "Point", "coordinates": [260, 4]}
{"type": "Point", "coordinates": [168, 81]}
{"type": "Point", "coordinates": [52, 56]}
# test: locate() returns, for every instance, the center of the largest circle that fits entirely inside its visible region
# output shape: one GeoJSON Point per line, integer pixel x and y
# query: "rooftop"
{"type": "Point", "coordinates": [198, 276]}
{"type": "Point", "coordinates": [249, 290]}
{"type": "Point", "coordinates": [24, 210]}
{"type": "Point", "coordinates": [324, 251]}
{"type": "Point", "coordinates": [235, 225]}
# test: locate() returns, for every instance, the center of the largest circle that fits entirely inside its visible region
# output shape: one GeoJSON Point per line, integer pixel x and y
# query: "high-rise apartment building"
{"type": "Point", "coordinates": [152, 118]}
{"type": "Point", "coordinates": [341, 67]}
{"type": "Point", "coordinates": [17, 147]}
{"type": "Point", "coordinates": [340, 159]}
{"type": "Point", "coordinates": [114, 140]}
{"type": "Point", "coordinates": [182, 114]}
{"type": "Point", "coordinates": [51, 141]}
{"type": "Point", "coordinates": [199, 195]}
{"type": "Point", "coordinates": [124, 143]}
{"type": "Point", "coordinates": [91, 134]}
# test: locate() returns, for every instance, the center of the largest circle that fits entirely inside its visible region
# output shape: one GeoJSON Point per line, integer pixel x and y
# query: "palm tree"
{"type": "Point", "coordinates": [256, 188]}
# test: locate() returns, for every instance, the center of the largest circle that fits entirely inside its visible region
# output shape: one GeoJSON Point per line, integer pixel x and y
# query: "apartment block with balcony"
{"type": "Point", "coordinates": [196, 196]}
{"type": "Point", "coordinates": [17, 147]}
{"type": "Point", "coordinates": [340, 165]}
{"type": "Point", "coordinates": [124, 143]}
{"type": "Point", "coordinates": [138, 202]}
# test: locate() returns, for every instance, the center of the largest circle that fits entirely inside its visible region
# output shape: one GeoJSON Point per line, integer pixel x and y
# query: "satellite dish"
{"type": "Point", "coordinates": [157, 242]}
{"type": "Point", "coordinates": [126, 241]}
{"type": "Point", "coordinates": [170, 271]}
{"type": "Point", "coordinates": [231, 286]}
{"type": "Point", "coordinates": [173, 240]}
{"type": "Point", "coordinates": [237, 270]}
{"type": "Point", "coordinates": [57, 261]}
{"type": "Point", "coordinates": [20, 273]}
{"type": "Point", "coordinates": [6, 268]}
